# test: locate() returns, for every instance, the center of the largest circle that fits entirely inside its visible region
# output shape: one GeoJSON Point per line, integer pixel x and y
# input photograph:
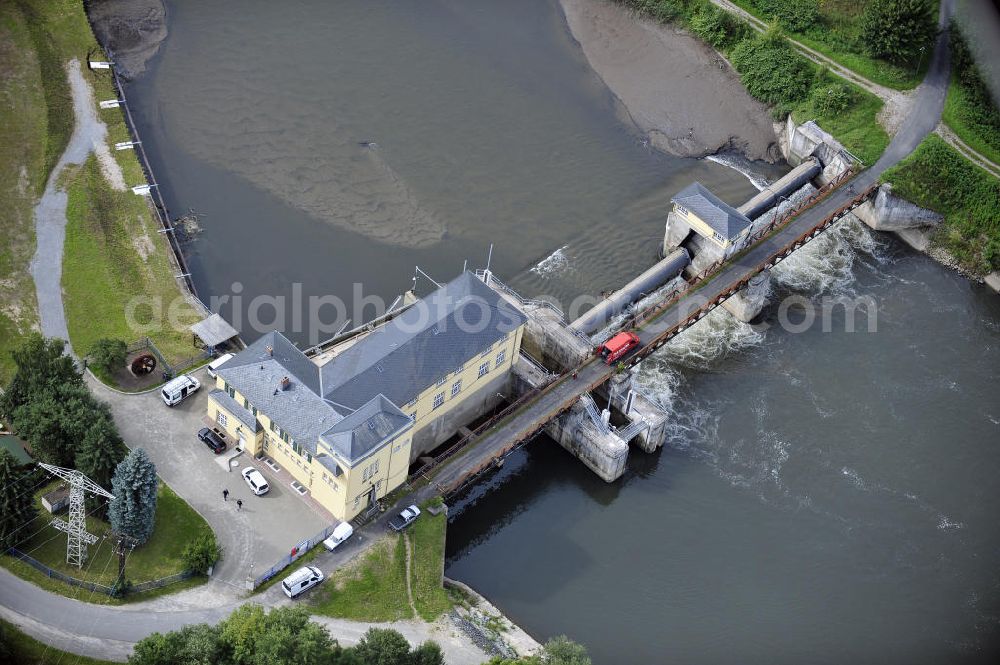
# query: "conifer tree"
{"type": "Point", "coordinates": [133, 510]}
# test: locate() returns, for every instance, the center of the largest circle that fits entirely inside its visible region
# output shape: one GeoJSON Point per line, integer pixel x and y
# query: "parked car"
{"type": "Point", "coordinates": [404, 518]}
{"type": "Point", "coordinates": [341, 532]}
{"type": "Point", "coordinates": [212, 440]}
{"type": "Point", "coordinates": [217, 363]}
{"type": "Point", "coordinates": [255, 479]}
{"type": "Point", "coordinates": [301, 580]}
{"type": "Point", "coordinates": [179, 389]}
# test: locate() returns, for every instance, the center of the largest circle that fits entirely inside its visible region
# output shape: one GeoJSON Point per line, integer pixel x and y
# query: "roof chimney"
{"type": "Point", "coordinates": [285, 382]}
{"type": "Point", "coordinates": [270, 351]}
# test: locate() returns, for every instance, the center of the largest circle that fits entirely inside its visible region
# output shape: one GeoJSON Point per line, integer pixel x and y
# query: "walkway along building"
{"type": "Point", "coordinates": [348, 429]}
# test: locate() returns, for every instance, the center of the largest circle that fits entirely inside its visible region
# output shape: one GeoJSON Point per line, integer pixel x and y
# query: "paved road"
{"type": "Point", "coordinates": [494, 443]}
{"type": "Point", "coordinates": [50, 213]}
{"type": "Point", "coordinates": [109, 632]}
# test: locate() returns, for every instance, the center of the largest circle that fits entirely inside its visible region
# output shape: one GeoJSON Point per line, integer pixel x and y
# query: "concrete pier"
{"type": "Point", "coordinates": [752, 299]}
{"type": "Point", "coordinates": [602, 452]}
{"type": "Point", "coordinates": [548, 339]}
{"type": "Point", "coordinates": [631, 404]}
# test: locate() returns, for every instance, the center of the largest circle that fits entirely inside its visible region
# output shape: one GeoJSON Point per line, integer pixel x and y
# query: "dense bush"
{"type": "Point", "coordinates": [717, 26]}
{"type": "Point", "coordinates": [201, 554]}
{"type": "Point", "coordinates": [772, 71]}
{"type": "Point", "coordinates": [935, 176]}
{"type": "Point", "coordinates": [833, 98]}
{"type": "Point", "coordinates": [796, 15]}
{"type": "Point", "coordinates": [283, 636]}
{"type": "Point", "coordinates": [897, 30]}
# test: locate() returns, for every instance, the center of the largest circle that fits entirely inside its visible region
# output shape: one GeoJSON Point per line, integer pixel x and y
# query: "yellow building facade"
{"type": "Point", "coordinates": [344, 430]}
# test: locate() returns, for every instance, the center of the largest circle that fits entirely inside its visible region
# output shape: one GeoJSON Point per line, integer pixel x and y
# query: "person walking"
{"type": "Point", "coordinates": [225, 495]}
{"type": "Point", "coordinates": [239, 504]}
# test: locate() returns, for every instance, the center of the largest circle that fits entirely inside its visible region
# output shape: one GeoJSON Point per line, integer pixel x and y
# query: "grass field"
{"type": "Point", "coordinates": [857, 127]}
{"type": "Point", "coordinates": [23, 137]}
{"type": "Point", "coordinates": [176, 525]}
{"type": "Point", "coordinates": [373, 588]}
{"type": "Point", "coordinates": [937, 177]}
{"type": "Point", "coordinates": [22, 649]}
{"type": "Point", "coordinates": [956, 115]}
{"type": "Point", "coordinates": [115, 252]}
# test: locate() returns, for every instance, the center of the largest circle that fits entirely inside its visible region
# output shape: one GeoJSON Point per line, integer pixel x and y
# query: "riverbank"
{"type": "Point", "coordinates": [674, 87]}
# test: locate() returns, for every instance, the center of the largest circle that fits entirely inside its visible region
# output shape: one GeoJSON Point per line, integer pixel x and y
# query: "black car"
{"type": "Point", "coordinates": [212, 440]}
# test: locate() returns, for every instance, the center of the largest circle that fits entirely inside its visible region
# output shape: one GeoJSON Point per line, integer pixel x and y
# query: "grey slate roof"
{"type": "Point", "coordinates": [298, 410]}
{"type": "Point", "coordinates": [352, 401]}
{"type": "Point", "coordinates": [722, 217]}
{"type": "Point", "coordinates": [433, 337]}
{"type": "Point", "coordinates": [223, 399]}
{"type": "Point", "coordinates": [214, 330]}
{"type": "Point", "coordinates": [366, 429]}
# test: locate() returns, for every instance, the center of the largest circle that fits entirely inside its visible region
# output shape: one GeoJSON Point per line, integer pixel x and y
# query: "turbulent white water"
{"type": "Point", "coordinates": [738, 162]}
{"type": "Point", "coordinates": [554, 263]}
{"type": "Point", "coordinates": [823, 267]}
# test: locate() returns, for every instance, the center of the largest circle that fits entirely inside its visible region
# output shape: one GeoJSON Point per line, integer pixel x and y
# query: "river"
{"type": "Point", "coordinates": [824, 496]}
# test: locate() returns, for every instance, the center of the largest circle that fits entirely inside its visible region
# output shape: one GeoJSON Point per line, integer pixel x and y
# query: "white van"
{"type": "Point", "coordinates": [217, 363]}
{"type": "Point", "coordinates": [341, 532]}
{"type": "Point", "coordinates": [302, 579]}
{"type": "Point", "coordinates": [178, 389]}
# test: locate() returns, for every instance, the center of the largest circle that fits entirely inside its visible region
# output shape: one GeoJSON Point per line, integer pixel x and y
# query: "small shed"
{"type": "Point", "coordinates": [57, 499]}
{"type": "Point", "coordinates": [213, 331]}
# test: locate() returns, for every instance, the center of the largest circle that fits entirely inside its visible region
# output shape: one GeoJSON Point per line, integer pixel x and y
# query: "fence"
{"type": "Point", "coordinates": [169, 369]}
{"type": "Point", "coordinates": [94, 586]}
{"type": "Point", "coordinates": [297, 552]}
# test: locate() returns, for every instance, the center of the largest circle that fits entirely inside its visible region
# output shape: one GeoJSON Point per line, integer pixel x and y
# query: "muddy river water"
{"type": "Point", "coordinates": [825, 496]}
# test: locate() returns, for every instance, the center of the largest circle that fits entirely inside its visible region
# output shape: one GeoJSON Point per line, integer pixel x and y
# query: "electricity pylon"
{"type": "Point", "coordinates": [76, 528]}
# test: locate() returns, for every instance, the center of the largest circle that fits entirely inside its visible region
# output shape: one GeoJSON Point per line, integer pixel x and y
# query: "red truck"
{"type": "Point", "coordinates": [618, 346]}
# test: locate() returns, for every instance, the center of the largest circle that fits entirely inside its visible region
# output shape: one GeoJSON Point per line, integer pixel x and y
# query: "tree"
{"type": "Point", "coordinates": [108, 354]}
{"type": "Point", "coordinates": [17, 506]}
{"type": "Point", "coordinates": [201, 554]}
{"type": "Point", "coordinates": [133, 510]}
{"type": "Point", "coordinates": [41, 365]}
{"type": "Point", "coordinates": [99, 454]}
{"type": "Point", "coordinates": [897, 30]}
{"type": "Point", "coordinates": [192, 645]}
{"type": "Point", "coordinates": [381, 646]}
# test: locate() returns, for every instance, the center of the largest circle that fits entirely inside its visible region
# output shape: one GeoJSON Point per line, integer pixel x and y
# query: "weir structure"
{"type": "Point", "coordinates": [551, 401]}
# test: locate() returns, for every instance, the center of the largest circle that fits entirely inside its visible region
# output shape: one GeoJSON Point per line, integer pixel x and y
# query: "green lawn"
{"type": "Point", "coordinates": [18, 648]}
{"type": "Point", "coordinates": [176, 524]}
{"type": "Point", "coordinates": [857, 127]}
{"type": "Point", "coordinates": [23, 125]}
{"type": "Point", "coordinates": [937, 177]}
{"type": "Point", "coordinates": [957, 116]}
{"type": "Point", "coordinates": [373, 588]}
{"type": "Point", "coordinates": [836, 35]}
{"type": "Point", "coordinates": [427, 540]}
{"type": "Point", "coordinates": [107, 262]}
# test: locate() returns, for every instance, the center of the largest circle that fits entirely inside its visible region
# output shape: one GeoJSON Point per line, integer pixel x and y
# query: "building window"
{"type": "Point", "coordinates": [274, 428]}
{"type": "Point", "coordinates": [680, 209]}
{"type": "Point", "coordinates": [484, 369]}
{"type": "Point", "coordinates": [486, 351]}
{"type": "Point", "coordinates": [438, 400]}
{"type": "Point", "coordinates": [246, 404]}
{"type": "Point", "coordinates": [370, 471]}
{"type": "Point", "coordinates": [222, 419]}
{"type": "Point", "coordinates": [456, 387]}
{"type": "Point", "coordinates": [413, 416]}
{"type": "Point", "coordinates": [718, 237]}
{"type": "Point", "coordinates": [230, 390]}
{"type": "Point", "coordinates": [501, 357]}
{"type": "Point", "coordinates": [442, 380]}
